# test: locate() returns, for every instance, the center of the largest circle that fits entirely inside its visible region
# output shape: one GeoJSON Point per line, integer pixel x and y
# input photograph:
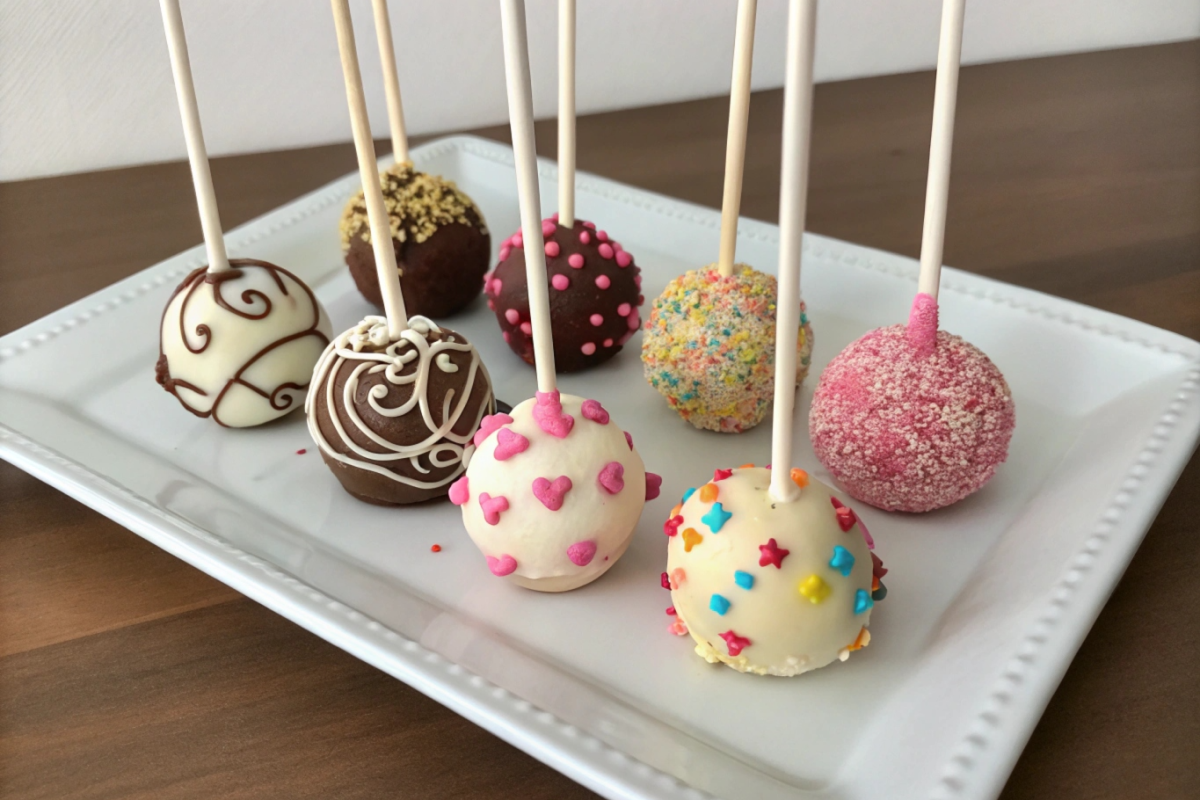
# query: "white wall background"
{"type": "Point", "coordinates": [86, 85]}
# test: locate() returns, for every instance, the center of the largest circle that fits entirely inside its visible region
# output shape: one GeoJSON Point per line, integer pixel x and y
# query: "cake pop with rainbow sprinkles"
{"type": "Point", "coordinates": [709, 341]}
{"type": "Point", "coordinates": [554, 490]}
{"type": "Point", "coordinates": [909, 417]}
{"type": "Point", "coordinates": [769, 572]}
{"type": "Point", "coordinates": [595, 285]}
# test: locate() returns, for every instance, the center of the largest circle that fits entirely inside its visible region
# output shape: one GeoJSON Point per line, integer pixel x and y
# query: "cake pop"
{"type": "Point", "coordinates": [440, 240]}
{"type": "Point", "coordinates": [238, 339]}
{"type": "Point", "coordinates": [910, 418]}
{"type": "Point", "coordinates": [396, 401]}
{"type": "Point", "coordinates": [769, 572]}
{"type": "Point", "coordinates": [554, 492]}
{"type": "Point", "coordinates": [709, 347]}
{"type": "Point", "coordinates": [709, 344]}
{"type": "Point", "coordinates": [595, 296]}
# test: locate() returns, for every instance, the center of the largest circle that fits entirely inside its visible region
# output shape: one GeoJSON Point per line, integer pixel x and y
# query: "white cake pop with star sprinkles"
{"type": "Point", "coordinates": [553, 492]}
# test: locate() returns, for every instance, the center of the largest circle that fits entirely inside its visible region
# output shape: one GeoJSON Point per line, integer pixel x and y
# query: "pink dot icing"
{"type": "Point", "coordinates": [588, 348]}
{"type": "Point", "coordinates": [906, 430]}
{"type": "Point", "coordinates": [506, 335]}
{"type": "Point", "coordinates": [497, 285]}
{"type": "Point", "coordinates": [512, 316]}
{"type": "Point", "coordinates": [551, 493]}
{"type": "Point", "coordinates": [635, 321]}
{"type": "Point", "coordinates": [491, 304]}
{"type": "Point", "coordinates": [517, 240]}
{"type": "Point", "coordinates": [590, 225]}
{"type": "Point", "coordinates": [653, 485]}
{"type": "Point", "coordinates": [585, 237]}
{"type": "Point", "coordinates": [629, 439]}
{"type": "Point", "coordinates": [575, 260]}
{"type": "Point", "coordinates": [637, 281]}
{"type": "Point", "coordinates": [608, 342]}
{"type": "Point", "coordinates": [596, 320]}
{"type": "Point", "coordinates": [492, 507]}
{"type": "Point", "coordinates": [527, 328]}
{"type": "Point", "coordinates": [603, 282]}
{"type": "Point", "coordinates": [547, 228]}
{"type": "Point", "coordinates": [548, 413]}
{"type": "Point", "coordinates": [505, 252]}
{"type": "Point", "coordinates": [460, 491]}
{"type": "Point", "coordinates": [582, 553]}
{"type": "Point", "coordinates": [623, 259]}
{"type": "Point", "coordinates": [595, 412]}
{"type": "Point", "coordinates": [504, 565]}
{"type": "Point", "coordinates": [552, 249]}
{"type": "Point", "coordinates": [509, 443]}
{"type": "Point", "coordinates": [606, 250]}
{"type": "Point", "coordinates": [602, 236]}
{"type": "Point", "coordinates": [612, 477]}
{"type": "Point", "coordinates": [489, 425]}
{"type": "Point", "coordinates": [624, 309]}
{"type": "Point", "coordinates": [625, 337]}
{"type": "Point", "coordinates": [560, 282]}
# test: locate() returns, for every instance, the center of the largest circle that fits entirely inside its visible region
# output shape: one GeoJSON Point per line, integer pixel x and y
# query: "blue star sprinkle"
{"type": "Point", "coordinates": [716, 518]}
{"type": "Point", "coordinates": [719, 604]}
{"type": "Point", "coordinates": [842, 561]}
{"type": "Point", "coordinates": [743, 579]}
{"type": "Point", "coordinates": [862, 601]}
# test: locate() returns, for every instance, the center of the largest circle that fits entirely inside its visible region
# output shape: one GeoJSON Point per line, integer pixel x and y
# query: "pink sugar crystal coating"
{"type": "Point", "coordinates": [906, 431]}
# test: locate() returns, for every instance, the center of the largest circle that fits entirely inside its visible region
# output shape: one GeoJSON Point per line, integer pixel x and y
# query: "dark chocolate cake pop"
{"type": "Point", "coordinates": [442, 244]}
{"type": "Point", "coordinates": [395, 420]}
{"type": "Point", "coordinates": [595, 294]}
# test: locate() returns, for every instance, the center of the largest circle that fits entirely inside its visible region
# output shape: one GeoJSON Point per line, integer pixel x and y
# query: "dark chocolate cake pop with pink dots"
{"type": "Point", "coordinates": [595, 295]}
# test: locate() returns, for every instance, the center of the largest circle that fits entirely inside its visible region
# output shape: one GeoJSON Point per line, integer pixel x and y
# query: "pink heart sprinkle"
{"type": "Point", "coordinates": [527, 328]}
{"type": "Point", "coordinates": [596, 320]}
{"type": "Point", "coordinates": [588, 348]}
{"type": "Point", "coordinates": [492, 506]}
{"type": "Point", "coordinates": [509, 443]}
{"type": "Point", "coordinates": [629, 439]}
{"type": "Point", "coordinates": [585, 237]}
{"type": "Point", "coordinates": [575, 260]}
{"type": "Point", "coordinates": [612, 477]}
{"type": "Point", "coordinates": [513, 316]}
{"type": "Point", "coordinates": [560, 282]}
{"type": "Point", "coordinates": [548, 414]}
{"type": "Point", "coordinates": [552, 249]}
{"type": "Point", "coordinates": [594, 411]}
{"type": "Point", "coordinates": [653, 485]}
{"type": "Point", "coordinates": [460, 491]}
{"type": "Point", "coordinates": [606, 250]}
{"type": "Point", "coordinates": [603, 282]}
{"type": "Point", "coordinates": [623, 259]}
{"type": "Point", "coordinates": [582, 553]}
{"type": "Point", "coordinates": [504, 565]}
{"type": "Point", "coordinates": [624, 309]}
{"type": "Point", "coordinates": [551, 493]}
{"type": "Point", "coordinates": [489, 425]}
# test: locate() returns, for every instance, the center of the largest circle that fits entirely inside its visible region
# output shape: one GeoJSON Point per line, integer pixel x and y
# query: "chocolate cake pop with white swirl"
{"type": "Point", "coordinates": [554, 492]}
{"type": "Point", "coordinates": [394, 420]}
{"type": "Point", "coordinates": [238, 345]}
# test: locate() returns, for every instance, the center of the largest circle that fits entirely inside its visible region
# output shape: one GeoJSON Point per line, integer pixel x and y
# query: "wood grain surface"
{"type": "Point", "coordinates": [125, 673]}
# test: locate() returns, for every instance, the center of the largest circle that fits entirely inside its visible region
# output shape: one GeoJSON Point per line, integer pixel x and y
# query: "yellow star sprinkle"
{"type": "Point", "coordinates": [814, 589]}
{"type": "Point", "coordinates": [691, 538]}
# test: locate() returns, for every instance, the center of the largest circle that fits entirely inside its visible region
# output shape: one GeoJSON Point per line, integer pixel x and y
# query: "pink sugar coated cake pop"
{"type": "Point", "coordinates": [594, 295]}
{"type": "Point", "coordinates": [553, 492]}
{"type": "Point", "coordinates": [910, 418]}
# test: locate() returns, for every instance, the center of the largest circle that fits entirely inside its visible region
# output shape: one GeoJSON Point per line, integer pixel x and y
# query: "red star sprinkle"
{"type": "Point", "coordinates": [671, 526]}
{"type": "Point", "coordinates": [772, 554]}
{"type": "Point", "coordinates": [845, 516]}
{"type": "Point", "coordinates": [877, 567]}
{"type": "Point", "coordinates": [666, 581]}
{"type": "Point", "coordinates": [734, 642]}
{"type": "Point", "coordinates": [721, 474]}
{"type": "Point", "coordinates": [671, 611]}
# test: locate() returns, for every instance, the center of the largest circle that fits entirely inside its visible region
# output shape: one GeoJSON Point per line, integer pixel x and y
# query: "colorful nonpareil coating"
{"type": "Point", "coordinates": [910, 418]}
{"type": "Point", "coordinates": [709, 347]}
{"type": "Point", "coordinates": [777, 588]}
{"type": "Point", "coordinates": [553, 492]}
{"type": "Point", "coordinates": [595, 294]}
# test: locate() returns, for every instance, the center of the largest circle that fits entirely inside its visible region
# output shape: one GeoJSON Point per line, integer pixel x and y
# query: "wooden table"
{"type": "Point", "coordinates": [126, 673]}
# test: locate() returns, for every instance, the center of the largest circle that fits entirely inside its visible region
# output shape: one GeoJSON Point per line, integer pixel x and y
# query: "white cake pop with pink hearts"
{"type": "Point", "coordinates": [553, 492]}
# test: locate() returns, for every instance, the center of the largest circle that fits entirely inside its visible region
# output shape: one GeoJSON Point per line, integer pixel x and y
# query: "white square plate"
{"type": "Point", "coordinates": [989, 599]}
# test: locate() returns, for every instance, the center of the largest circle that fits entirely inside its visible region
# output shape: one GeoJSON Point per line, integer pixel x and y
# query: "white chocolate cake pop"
{"type": "Point", "coordinates": [239, 345]}
{"type": "Point", "coordinates": [765, 587]}
{"type": "Point", "coordinates": [553, 492]}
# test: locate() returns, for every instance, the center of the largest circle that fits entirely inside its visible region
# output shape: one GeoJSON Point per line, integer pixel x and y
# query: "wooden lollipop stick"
{"type": "Point", "coordinates": [793, 198]}
{"type": "Point", "coordinates": [566, 112]}
{"type": "Point", "coordinates": [520, 114]}
{"type": "Point", "coordinates": [368, 168]}
{"type": "Point", "coordinates": [391, 80]}
{"type": "Point", "coordinates": [735, 140]}
{"type": "Point", "coordinates": [937, 190]}
{"type": "Point", "coordinates": [185, 90]}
